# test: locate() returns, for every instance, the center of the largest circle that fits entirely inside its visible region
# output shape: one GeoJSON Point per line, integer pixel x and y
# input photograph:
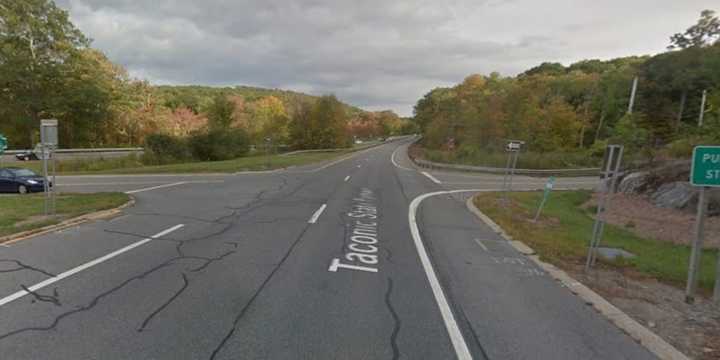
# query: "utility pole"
{"type": "Point", "coordinates": [702, 108]}
{"type": "Point", "coordinates": [632, 95]}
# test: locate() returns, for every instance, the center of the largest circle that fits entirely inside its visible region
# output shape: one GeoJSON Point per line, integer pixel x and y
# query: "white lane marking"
{"type": "Point", "coordinates": [317, 214]}
{"type": "Point", "coordinates": [155, 187]}
{"type": "Point", "coordinates": [85, 266]}
{"type": "Point", "coordinates": [481, 244]}
{"type": "Point", "coordinates": [359, 166]}
{"type": "Point", "coordinates": [392, 159]}
{"type": "Point", "coordinates": [432, 178]}
{"type": "Point", "coordinates": [347, 178]}
{"type": "Point", "coordinates": [461, 349]}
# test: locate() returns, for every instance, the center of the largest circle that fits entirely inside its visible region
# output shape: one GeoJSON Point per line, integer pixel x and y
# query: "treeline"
{"type": "Point", "coordinates": [49, 70]}
{"type": "Point", "coordinates": [582, 107]}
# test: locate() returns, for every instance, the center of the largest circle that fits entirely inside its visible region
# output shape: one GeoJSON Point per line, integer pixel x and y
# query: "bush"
{"type": "Point", "coordinates": [219, 144]}
{"type": "Point", "coordinates": [163, 149]}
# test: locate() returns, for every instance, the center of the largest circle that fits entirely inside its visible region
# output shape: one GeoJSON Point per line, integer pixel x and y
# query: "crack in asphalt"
{"type": "Point", "coordinates": [396, 320]}
{"type": "Point", "coordinates": [165, 305]}
{"type": "Point", "coordinates": [23, 266]}
{"type": "Point", "coordinates": [53, 299]}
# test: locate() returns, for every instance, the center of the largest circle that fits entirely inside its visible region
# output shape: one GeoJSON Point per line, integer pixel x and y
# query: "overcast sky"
{"type": "Point", "coordinates": [376, 54]}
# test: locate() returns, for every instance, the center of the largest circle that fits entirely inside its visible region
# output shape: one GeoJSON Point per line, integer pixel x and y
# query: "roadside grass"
{"type": "Point", "coordinates": [563, 232]}
{"type": "Point", "coordinates": [26, 212]}
{"type": "Point", "coordinates": [134, 165]}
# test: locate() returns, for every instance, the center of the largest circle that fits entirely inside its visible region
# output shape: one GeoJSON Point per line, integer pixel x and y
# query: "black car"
{"type": "Point", "coordinates": [26, 156]}
{"type": "Point", "coordinates": [22, 181]}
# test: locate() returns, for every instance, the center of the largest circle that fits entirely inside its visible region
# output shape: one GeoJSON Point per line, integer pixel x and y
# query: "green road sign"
{"type": "Point", "coordinates": [705, 166]}
{"type": "Point", "coordinates": [3, 144]}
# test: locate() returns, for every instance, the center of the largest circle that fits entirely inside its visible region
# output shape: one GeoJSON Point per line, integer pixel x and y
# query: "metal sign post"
{"type": "Point", "coordinates": [610, 171]}
{"type": "Point", "coordinates": [48, 142]}
{"type": "Point", "coordinates": [546, 194]}
{"type": "Point", "coordinates": [705, 173]}
{"type": "Point", "coordinates": [513, 149]}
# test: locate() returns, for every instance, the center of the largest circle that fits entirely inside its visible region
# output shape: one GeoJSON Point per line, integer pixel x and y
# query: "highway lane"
{"type": "Point", "coordinates": [316, 262]}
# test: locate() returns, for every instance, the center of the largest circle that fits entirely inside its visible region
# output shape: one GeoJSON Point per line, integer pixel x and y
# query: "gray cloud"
{"type": "Point", "coordinates": [376, 54]}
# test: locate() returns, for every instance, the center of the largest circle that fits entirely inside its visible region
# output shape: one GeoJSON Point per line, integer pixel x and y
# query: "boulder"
{"type": "Point", "coordinates": [674, 195]}
{"type": "Point", "coordinates": [633, 183]}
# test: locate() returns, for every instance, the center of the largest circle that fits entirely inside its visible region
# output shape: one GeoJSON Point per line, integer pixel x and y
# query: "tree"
{"type": "Point", "coordinates": [37, 41]}
{"type": "Point", "coordinates": [705, 32]}
{"type": "Point", "coordinates": [220, 113]}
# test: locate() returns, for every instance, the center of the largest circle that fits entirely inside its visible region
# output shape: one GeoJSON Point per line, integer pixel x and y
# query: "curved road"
{"type": "Point", "coordinates": [343, 260]}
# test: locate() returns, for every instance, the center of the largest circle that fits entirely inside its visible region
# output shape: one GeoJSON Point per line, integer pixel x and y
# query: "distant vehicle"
{"type": "Point", "coordinates": [21, 181]}
{"type": "Point", "coordinates": [358, 142]}
{"type": "Point", "coordinates": [26, 156]}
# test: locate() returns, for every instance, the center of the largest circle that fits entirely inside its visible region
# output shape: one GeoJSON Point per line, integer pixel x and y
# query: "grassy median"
{"type": "Point", "coordinates": [563, 232]}
{"type": "Point", "coordinates": [134, 165]}
{"type": "Point", "coordinates": [26, 212]}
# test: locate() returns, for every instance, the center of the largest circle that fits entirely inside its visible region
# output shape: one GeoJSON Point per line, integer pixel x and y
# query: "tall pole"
{"type": "Point", "coordinates": [696, 254]}
{"type": "Point", "coordinates": [46, 187]}
{"type": "Point", "coordinates": [632, 95]}
{"type": "Point", "coordinates": [702, 108]}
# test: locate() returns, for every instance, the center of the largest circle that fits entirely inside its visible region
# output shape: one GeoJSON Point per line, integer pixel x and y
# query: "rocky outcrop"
{"type": "Point", "coordinates": [675, 195]}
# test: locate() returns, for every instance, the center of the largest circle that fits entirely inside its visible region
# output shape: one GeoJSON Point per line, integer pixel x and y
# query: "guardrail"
{"type": "Point", "coordinates": [495, 170]}
{"type": "Point", "coordinates": [67, 154]}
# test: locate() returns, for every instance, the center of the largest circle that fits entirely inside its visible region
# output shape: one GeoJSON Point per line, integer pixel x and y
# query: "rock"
{"type": "Point", "coordinates": [634, 183]}
{"type": "Point", "coordinates": [674, 195]}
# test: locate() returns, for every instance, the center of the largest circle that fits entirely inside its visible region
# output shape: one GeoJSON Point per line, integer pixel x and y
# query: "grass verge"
{"type": "Point", "coordinates": [20, 213]}
{"type": "Point", "coordinates": [133, 165]}
{"type": "Point", "coordinates": [563, 232]}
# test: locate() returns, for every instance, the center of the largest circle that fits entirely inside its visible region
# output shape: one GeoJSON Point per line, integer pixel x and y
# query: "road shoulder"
{"type": "Point", "coordinates": [641, 334]}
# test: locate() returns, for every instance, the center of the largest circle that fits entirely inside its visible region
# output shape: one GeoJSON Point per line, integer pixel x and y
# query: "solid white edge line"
{"type": "Point", "coordinates": [317, 214]}
{"type": "Point", "coordinates": [456, 337]}
{"type": "Point", "coordinates": [156, 187]}
{"type": "Point", "coordinates": [85, 266]}
{"type": "Point", "coordinates": [347, 178]}
{"type": "Point", "coordinates": [392, 159]}
{"type": "Point", "coordinates": [432, 178]}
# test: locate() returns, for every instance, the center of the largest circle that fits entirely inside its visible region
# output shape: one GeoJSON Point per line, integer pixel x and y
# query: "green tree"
{"type": "Point", "coordinates": [37, 43]}
{"type": "Point", "coordinates": [705, 32]}
{"type": "Point", "coordinates": [221, 113]}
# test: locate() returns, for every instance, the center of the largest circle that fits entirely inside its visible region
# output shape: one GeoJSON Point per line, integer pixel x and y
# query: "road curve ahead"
{"type": "Point", "coordinates": [354, 259]}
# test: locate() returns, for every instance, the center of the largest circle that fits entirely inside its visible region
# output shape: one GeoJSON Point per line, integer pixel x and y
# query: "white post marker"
{"type": "Point", "coordinates": [85, 266]}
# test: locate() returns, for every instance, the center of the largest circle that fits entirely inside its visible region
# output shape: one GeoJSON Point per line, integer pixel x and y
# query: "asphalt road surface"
{"type": "Point", "coordinates": [362, 258]}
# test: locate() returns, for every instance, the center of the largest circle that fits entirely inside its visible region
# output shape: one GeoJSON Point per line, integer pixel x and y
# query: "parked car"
{"type": "Point", "coordinates": [21, 181]}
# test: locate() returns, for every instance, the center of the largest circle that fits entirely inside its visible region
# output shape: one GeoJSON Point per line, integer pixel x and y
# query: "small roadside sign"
{"type": "Point", "coordinates": [3, 144]}
{"type": "Point", "coordinates": [705, 166]}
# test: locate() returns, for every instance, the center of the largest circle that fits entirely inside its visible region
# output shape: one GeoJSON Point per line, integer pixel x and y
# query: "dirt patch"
{"type": "Point", "coordinates": [638, 215]}
{"type": "Point", "coordinates": [692, 329]}
{"type": "Point", "coordinates": [36, 219]}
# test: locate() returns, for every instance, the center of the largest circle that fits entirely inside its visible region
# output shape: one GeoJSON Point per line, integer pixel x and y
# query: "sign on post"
{"type": "Point", "coordinates": [705, 169]}
{"type": "Point", "coordinates": [48, 143]}
{"type": "Point", "coordinates": [704, 173]}
{"type": "Point", "coordinates": [3, 144]}
{"type": "Point", "coordinates": [513, 149]}
{"type": "Point", "coordinates": [49, 133]}
{"type": "Point", "coordinates": [546, 194]}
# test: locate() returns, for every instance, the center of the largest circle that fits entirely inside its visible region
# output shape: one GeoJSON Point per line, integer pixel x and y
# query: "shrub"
{"type": "Point", "coordinates": [219, 144]}
{"type": "Point", "coordinates": [163, 149]}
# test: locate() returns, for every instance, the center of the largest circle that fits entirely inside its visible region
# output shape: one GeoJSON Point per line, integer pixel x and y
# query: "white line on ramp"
{"type": "Point", "coordinates": [432, 178]}
{"type": "Point", "coordinates": [456, 337]}
{"type": "Point", "coordinates": [392, 159]}
{"type": "Point", "coordinates": [317, 214]}
{"type": "Point", "coordinates": [347, 178]}
{"type": "Point", "coordinates": [155, 187]}
{"type": "Point", "coordinates": [85, 266]}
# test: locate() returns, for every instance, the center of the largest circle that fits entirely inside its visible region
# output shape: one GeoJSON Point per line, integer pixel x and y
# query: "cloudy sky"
{"type": "Point", "coordinates": [376, 54]}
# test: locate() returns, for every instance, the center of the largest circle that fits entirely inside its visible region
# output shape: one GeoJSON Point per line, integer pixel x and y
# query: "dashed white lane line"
{"type": "Point", "coordinates": [359, 166]}
{"type": "Point", "coordinates": [456, 337]}
{"type": "Point", "coordinates": [432, 178]}
{"type": "Point", "coordinates": [85, 266]}
{"type": "Point", "coordinates": [155, 187]}
{"type": "Point", "coordinates": [392, 159]}
{"type": "Point", "coordinates": [347, 178]}
{"type": "Point", "coordinates": [479, 242]}
{"type": "Point", "coordinates": [317, 214]}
